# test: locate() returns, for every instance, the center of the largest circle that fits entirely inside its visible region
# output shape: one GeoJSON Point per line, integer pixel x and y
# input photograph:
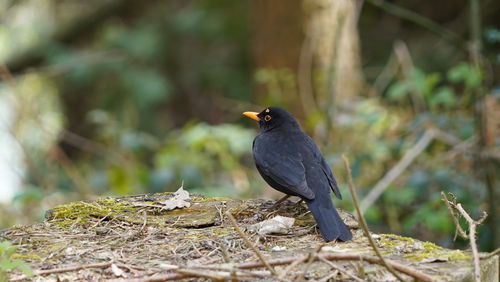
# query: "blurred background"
{"type": "Point", "coordinates": [120, 97]}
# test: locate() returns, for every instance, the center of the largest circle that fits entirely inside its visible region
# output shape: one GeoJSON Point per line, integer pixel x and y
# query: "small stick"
{"type": "Point", "coordinates": [145, 221]}
{"type": "Point", "coordinates": [339, 269]}
{"type": "Point", "coordinates": [472, 230]}
{"type": "Point", "coordinates": [363, 222]}
{"type": "Point", "coordinates": [454, 217]}
{"type": "Point", "coordinates": [472, 239]}
{"type": "Point", "coordinates": [312, 258]}
{"type": "Point", "coordinates": [225, 253]}
{"type": "Point", "coordinates": [291, 266]}
{"type": "Point", "coordinates": [329, 276]}
{"type": "Point", "coordinates": [249, 244]}
{"type": "Point", "coordinates": [492, 254]}
{"type": "Point", "coordinates": [281, 200]}
{"type": "Point", "coordinates": [100, 220]}
{"type": "Point", "coordinates": [67, 269]}
{"type": "Point", "coordinates": [213, 276]}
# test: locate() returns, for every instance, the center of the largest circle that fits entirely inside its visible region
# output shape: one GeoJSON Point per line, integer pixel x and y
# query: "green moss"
{"type": "Point", "coordinates": [442, 254]}
{"type": "Point", "coordinates": [429, 247]}
{"type": "Point", "coordinates": [398, 238]}
{"type": "Point", "coordinates": [26, 257]}
{"type": "Point", "coordinates": [432, 250]}
{"type": "Point", "coordinates": [419, 250]}
{"type": "Point", "coordinates": [81, 212]}
{"type": "Point", "coordinates": [392, 241]}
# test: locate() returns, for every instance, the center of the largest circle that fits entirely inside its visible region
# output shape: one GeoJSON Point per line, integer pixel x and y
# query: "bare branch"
{"type": "Point", "coordinates": [454, 217]}
{"type": "Point", "coordinates": [362, 221]}
{"type": "Point", "coordinates": [452, 206]}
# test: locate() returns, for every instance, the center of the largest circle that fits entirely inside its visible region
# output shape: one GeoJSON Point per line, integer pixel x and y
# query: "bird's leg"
{"type": "Point", "coordinates": [278, 202]}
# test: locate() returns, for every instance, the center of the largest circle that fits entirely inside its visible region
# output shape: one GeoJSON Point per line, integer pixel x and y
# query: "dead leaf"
{"type": "Point", "coordinates": [179, 201]}
{"type": "Point", "coordinates": [276, 225]}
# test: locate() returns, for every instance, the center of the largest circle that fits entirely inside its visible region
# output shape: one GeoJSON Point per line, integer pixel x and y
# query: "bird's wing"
{"type": "Point", "coordinates": [331, 179]}
{"type": "Point", "coordinates": [286, 169]}
{"type": "Point", "coordinates": [325, 167]}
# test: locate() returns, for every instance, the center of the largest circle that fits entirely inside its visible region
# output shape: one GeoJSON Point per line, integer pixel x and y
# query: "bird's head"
{"type": "Point", "coordinates": [273, 117]}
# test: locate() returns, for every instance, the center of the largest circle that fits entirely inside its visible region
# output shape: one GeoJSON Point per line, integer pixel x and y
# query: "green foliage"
{"type": "Point", "coordinates": [156, 95]}
{"type": "Point", "coordinates": [203, 155]}
{"type": "Point", "coordinates": [8, 262]}
{"type": "Point", "coordinates": [430, 86]}
{"type": "Point", "coordinates": [466, 73]}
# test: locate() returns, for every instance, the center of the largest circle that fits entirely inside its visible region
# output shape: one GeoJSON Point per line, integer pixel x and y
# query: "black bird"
{"type": "Point", "coordinates": [291, 163]}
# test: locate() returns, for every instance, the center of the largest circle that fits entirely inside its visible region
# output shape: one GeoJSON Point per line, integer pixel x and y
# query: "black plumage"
{"type": "Point", "coordinates": [291, 163]}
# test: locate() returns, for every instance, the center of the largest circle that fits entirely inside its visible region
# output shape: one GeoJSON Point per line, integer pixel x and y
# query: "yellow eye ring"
{"type": "Point", "coordinates": [267, 118]}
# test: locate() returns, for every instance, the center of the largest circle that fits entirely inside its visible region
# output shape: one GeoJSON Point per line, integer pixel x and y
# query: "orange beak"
{"type": "Point", "coordinates": [252, 115]}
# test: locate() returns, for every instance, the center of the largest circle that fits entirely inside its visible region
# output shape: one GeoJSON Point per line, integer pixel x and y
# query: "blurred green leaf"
{"type": "Point", "coordinates": [466, 73]}
{"type": "Point", "coordinates": [147, 87]}
{"type": "Point", "coordinates": [7, 263]}
{"type": "Point", "coordinates": [399, 90]}
{"type": "Point", "coordinates": [443, 96]}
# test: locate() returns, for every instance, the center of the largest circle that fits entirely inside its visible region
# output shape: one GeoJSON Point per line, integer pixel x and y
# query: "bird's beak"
{"type": "Point", "coordinates": [252, 115]}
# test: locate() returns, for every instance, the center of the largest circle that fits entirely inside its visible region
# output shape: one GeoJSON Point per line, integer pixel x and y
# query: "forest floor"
{"type": "Point", "coordinates": [136, 238]}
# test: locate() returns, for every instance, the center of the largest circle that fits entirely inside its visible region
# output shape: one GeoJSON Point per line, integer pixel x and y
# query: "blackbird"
{"type": "Point", "coordinates": [291, 163]}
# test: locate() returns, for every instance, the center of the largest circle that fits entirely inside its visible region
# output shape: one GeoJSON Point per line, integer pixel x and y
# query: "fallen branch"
{"type": "Point", "coordinates": [452, 205]}
{"type": "Point", "coordinates": [362, 221]}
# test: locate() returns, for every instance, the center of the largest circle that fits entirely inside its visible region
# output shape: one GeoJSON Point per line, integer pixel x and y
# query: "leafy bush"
{"type": "Point", "coordinates": [8, 262]}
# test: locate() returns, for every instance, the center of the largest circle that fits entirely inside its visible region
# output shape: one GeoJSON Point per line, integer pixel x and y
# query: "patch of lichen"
{"type": "Point", "coordinates": [392, 241]}
{"type": "Point", "coordinates": [396, 238]}
{"type": "Point", "coordinates": [432, 251]}
{"type": "Point", "coordinates": [445, 255]}
{"type": "Point", "coordinates": [81, 212]}
{"type": "Point", "coordinates": [418, 251]}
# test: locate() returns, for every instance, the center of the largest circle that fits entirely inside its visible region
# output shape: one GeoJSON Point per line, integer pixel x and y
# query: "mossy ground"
{"type": "Point", "coordinates": [135, 233]}
{"type": "Point", "coordinates": [419, 251]}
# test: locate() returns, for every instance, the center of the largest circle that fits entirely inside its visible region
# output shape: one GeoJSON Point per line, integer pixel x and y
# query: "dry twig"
{"type": "Point", "coordinates": [362, 221]}
{"type": "Point", "coordinates": [70, 269]}
{"type": "Point", "coordinates": [291, 266]}
{"type": "Point", "coordinates": [249, 244]}
{"type": "Point", "coordinates": [492, 254]}
{"type": "Point", "coordinates": [312, 257]}
{"type": "Point", "coordinates": [452, 205]}
{"type": "Point", "coordinates": [339, 269]}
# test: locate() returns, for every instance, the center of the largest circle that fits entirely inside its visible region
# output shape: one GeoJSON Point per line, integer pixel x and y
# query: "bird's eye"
{"type": "Point", "coordinates": [267, 118]}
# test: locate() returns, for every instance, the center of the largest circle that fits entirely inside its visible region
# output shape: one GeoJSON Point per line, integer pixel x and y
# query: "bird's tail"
{"type": "Point", "coordinates": [329, 222]}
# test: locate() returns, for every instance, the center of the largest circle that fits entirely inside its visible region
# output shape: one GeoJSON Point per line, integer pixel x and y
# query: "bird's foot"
{"type": "Point", "coordinates": [278, 202]}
